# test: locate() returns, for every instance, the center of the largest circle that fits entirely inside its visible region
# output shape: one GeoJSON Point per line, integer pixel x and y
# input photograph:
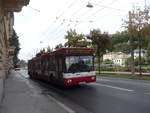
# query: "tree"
{"type": "Point", "coordinates": [107, 61]}
{"type": "Point", "coordinates": [130, 31]}
{"type": "Point", "coordinates": [49, 50]}
{"type": "Point", "coordinates": [58, 46]}
{"type": "Point", "coordinates": [127, 62]}
{"type": "Point", "coordinates": [100, 41]}
{"type": "Point", "coordinates": [75, 40]}
{"type": "Point", "coordinates": [137, 27]}
{"type": "Point", "coordinates": [148, 53]}
{"type": "Point", "coordinates": [146, 30]}
{"type": "Point", "coordinates": [42, 51]}
{"type": "Point", "coordinates": [140, 21]}
{"type": "Point", "coordinates": [120, 37]}
{"type": "Point", "coordinates": [22, 63]}
{"type": "Point", "coordinates": [120, 42]}
{"type": "Point", "coordinates": [143, 61]}
{"type": "Point", "coordinates": [14, 41]}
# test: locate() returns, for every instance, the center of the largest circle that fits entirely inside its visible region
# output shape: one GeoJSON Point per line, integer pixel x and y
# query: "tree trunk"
{"type": "Point", "coordinates": [99, 68]}
{"type": "Point", "coordinates": [140, 71]}
{"type": "Point", "coordinates": [93, 63]}
{"type": "Point", "coordinates": [132, 56]}
{"type": "Point", "coordinates": [131, 45]}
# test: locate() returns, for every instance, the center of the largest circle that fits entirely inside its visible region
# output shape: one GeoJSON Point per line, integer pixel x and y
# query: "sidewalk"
{"type": "Point", "coordinates": [22, 97]}
{"type": "Point", "coordinates": [2, 74]}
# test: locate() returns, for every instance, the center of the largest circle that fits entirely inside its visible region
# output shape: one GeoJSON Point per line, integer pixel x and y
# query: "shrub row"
{"type": "Point", "coordinates": [113, 69]}
{"type": "Point", "coordinates": [121, 69]}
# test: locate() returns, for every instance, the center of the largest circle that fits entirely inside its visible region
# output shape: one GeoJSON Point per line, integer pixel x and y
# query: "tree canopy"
{"type": "Point", "coordinates": [75, 40]}
{"type": "Point", "coordinates": [100, 41]}
{"type": "Point", "coordinates": [59, 46]}
{"type": "Point", "coordinates": [120, 42]}
{"type": "Point", "coordinates": [14, 41]}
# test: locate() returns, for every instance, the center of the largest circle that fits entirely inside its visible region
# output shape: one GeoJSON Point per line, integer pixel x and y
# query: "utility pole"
{"type": "Point", "coordinates": [131, 43]}
{"type": "Point", "coordinates": [140, 47]}
{"type": "Point", "coordinates": [145, 4]}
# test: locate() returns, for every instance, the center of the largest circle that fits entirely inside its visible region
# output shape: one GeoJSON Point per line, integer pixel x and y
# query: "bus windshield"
{"type": "Point", "coordinates": [78, 63]}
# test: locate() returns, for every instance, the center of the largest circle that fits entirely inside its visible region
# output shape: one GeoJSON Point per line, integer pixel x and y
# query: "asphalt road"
{"type": "Point", "coordinates": [107, 95]}
{"type": "Point", "coordinates": [127, 73]}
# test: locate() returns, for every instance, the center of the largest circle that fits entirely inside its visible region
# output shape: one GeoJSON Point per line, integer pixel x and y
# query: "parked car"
{"type": "Point", "coordinates": [16, 67]}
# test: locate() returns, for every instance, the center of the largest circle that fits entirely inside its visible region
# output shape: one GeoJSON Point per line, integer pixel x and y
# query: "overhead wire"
{"type": "Point", "coordinates": [79, 22]}
{"type": "Point", "coordinates": [55, 30]}
{"type": "Point", "coordinates": [91, 21]}
{"type": "Point", "coordinates": [77, 11]}
{"type": "Point", "coordinates": [47, 31]}
{"type": "Point", "coordinates": [89, 10]}
{"type": "Point", "coordinates": [86, 11]}
{"type": "Point", "coordinates": [106, 6]}
{"type": "Point", "coordinates": [68, 20]}
{"type": "Point", "coordinates": [67, 9]}
{"type": "Point", "coordinates": [110, 7]}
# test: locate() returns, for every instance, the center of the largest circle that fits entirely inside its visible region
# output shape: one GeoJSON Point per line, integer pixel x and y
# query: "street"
{"type": "Point", "coordinates": [127, 73]}
{"type": "Point", "coordinates": [107, 95]}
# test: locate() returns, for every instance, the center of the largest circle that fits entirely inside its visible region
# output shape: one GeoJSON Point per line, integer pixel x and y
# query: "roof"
{"type": "Point", "coordinates": [80, 50]}
{"type": "Point", "coordinates": [73, 50]}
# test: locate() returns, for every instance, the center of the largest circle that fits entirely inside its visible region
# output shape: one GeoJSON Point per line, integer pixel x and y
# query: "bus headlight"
{"type": "Point", "coordinates": [69, 81]}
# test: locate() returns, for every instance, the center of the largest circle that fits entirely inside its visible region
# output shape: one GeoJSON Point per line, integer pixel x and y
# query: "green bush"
{"type": "Point", "coordinates": [113, 69]}
{"type": "Point", "coordinates": [143, 60]}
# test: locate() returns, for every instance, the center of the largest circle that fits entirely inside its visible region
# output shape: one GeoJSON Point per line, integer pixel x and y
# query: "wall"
{"type": "Point", "coordinates": [7, 7]}
{"type": "Point", "coordinates": [2, 72]}
{"type": "Point", "coordinates": [5, 29]}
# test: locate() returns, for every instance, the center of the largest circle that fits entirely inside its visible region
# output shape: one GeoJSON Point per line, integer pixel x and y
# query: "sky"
{"type": "Point", "coordinates": [44, 23]}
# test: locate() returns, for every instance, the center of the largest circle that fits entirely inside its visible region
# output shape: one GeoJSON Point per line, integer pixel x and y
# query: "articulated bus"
{"type": "Point", "coordinates": [65, 66]}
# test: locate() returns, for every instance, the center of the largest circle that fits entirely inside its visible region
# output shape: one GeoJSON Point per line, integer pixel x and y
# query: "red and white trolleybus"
{"type": "Point", "coordinates": [66, 66]}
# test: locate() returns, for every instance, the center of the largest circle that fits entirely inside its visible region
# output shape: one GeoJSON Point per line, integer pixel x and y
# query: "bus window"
{"type": "Point", "coordinates": [60, 65]}
{"type": "Point", "coordinates": [79, 63]}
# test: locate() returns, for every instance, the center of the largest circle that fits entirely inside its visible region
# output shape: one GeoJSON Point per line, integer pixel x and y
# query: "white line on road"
{"type": "Point", "coordinates": [101, 79]}
{"type": "Point", "coordinates": [114, 87]}
{"type": "Point", "coordinates": [147, 93]}
{"type": "Point", "coordinates": [69, 110]}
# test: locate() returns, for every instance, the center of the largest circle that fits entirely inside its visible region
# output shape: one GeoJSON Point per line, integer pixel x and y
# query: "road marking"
{"type": "Point", "coordinates": [147, 93]}
{"type": "Point", "coordinates": [101, 79]}
{"type": "Point", "coordinates": [69, 110]}
{"type": "Point", "coordinates": [114, 87]}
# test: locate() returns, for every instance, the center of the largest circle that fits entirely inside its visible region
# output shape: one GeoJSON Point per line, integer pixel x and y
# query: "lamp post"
{"type": "Point", "coordinates": [89, 5]}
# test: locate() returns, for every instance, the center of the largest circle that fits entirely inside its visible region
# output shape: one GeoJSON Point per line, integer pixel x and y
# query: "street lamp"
{"type": "Point", "coordinates": [89, 5]}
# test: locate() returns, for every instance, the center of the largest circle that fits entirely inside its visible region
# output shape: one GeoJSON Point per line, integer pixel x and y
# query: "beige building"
{"type": "Point", "coordinates": [7, 7]}
{"type": "Point", "coordinates": [119, 61]}
{"type": "Point", "coordinates": [118, 58]}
